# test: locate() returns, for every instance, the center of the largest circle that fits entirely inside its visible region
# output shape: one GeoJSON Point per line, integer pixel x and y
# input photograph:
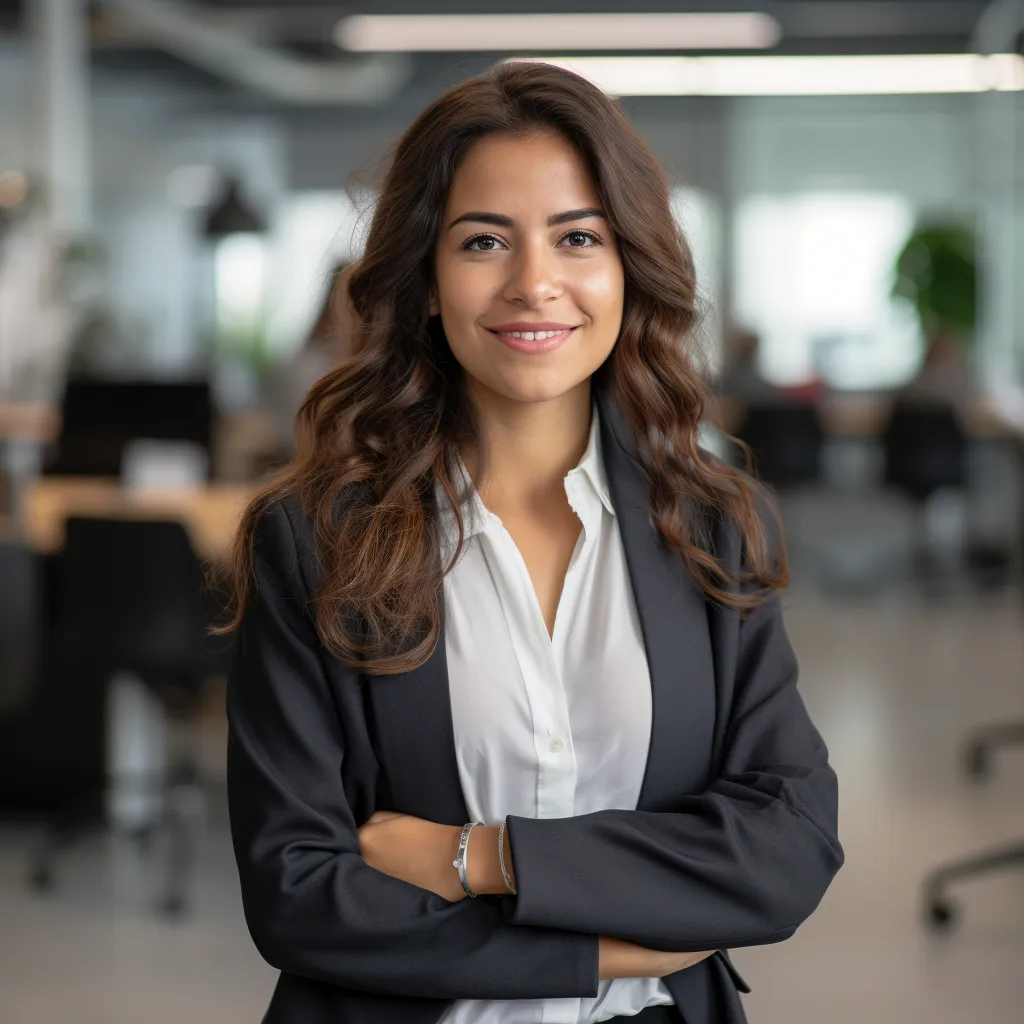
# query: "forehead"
{"type": "Point", "coordinates": [541, 173]}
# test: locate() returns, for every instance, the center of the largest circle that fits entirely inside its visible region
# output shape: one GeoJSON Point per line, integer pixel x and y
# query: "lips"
{"type": "Point", "coordinates": [534, 335]}
{"type": "Point", "coordinates": [532, 339]}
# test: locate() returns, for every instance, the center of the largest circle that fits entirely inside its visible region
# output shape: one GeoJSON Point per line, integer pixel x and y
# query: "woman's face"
{"type": "Point", "coordinates": [525, 248]}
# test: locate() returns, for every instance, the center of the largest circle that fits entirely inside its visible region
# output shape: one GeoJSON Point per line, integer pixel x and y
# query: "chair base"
{"type": "Point", "coordinates": [940, 912]}
{"type": "Point", "coordinates": [181, 823]}
{"type": "Point", "coordinates": [980, 747]}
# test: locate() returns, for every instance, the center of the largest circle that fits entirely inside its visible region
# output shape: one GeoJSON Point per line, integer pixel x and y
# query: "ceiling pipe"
{"type": "Point", "coordinates": [182, 30]}
{"type": "Point", "coordinates": [999, 27]}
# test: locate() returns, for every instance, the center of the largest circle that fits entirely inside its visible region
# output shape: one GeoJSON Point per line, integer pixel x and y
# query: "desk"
{"type": "Point", "coordinates": [210, 514]}
{"type": "Point", "coordinates": [29, 421]}
{"type": "Point", "coordinates": [853, 415]}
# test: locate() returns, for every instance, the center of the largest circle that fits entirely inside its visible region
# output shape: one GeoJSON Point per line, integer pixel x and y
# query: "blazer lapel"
{"type": "Point", "coordinates": [673, 619]}
{"type": "Point", "coordinates": [412, 717]}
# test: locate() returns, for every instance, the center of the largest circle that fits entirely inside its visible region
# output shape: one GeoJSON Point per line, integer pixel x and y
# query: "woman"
{"type": "Point", "coordinates": [500, 584]}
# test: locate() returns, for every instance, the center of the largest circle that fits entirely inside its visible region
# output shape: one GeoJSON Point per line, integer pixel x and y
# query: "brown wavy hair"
{"type": "Point", "coordinates": [376, 434]}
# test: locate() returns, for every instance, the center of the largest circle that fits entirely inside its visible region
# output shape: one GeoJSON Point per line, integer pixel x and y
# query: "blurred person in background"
{"type": "Point", "coordinates": [741, 379]}
{"type": "Point", "coordinates": [328, 343]}
{"type": "Point", "coordinates": [514, 726]}
{"type": "Point", "coordinates": [943, 378]}
{"type": "Point", "coordinates": [740, 383]}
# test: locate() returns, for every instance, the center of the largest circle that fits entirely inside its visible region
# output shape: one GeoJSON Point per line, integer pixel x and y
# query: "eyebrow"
{"type": "Point", "coordinates": [501, 221]}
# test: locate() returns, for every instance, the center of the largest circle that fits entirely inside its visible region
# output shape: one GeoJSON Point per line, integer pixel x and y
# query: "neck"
{"type": "Point", "coordinates": [526, 448]}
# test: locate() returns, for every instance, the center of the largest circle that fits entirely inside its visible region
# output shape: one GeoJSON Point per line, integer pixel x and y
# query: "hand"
{"type": "Point", "coordinates": [416, 851]}
{"type": "Point", "coordinates": [620, 959]}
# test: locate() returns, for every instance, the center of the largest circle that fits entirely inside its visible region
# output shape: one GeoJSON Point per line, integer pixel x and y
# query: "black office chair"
{"type": "Point", "coordinates": [18, 595]}
{"type": "Point", "coordinates": [924, 450]}
{"type": "Point", "coordinates": [132, 599]}
{"type": "Point", "coordinates": [940, 911]}
{"type": "Point", "coordinates": [52, 721]}
{"type": "Point", "coordinates": [785, 441]}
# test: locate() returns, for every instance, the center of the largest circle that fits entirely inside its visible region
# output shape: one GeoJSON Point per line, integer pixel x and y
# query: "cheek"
{"type": "Point", "coordinates": [463, 297]}
{"type": "Point", "coordinates": [600, 294]}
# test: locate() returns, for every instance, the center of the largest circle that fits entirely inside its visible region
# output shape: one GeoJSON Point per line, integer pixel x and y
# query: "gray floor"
{"type": "Point", "coordinates": [893, 685]}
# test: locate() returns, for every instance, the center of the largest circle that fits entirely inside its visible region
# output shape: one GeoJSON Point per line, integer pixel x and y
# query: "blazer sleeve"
{"type": "Point", "coordinates": [313, 906]}
{"type": "Point", "coordinates": [744, 863]}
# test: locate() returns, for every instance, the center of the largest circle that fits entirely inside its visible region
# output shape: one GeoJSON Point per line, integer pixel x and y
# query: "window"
{"type": "Point", "coordinates": [812, 274]}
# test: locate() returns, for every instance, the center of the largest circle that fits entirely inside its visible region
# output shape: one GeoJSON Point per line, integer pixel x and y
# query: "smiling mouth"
{"type": "Point", "coordinates": [534, 335]}
{"type": "Point", "coordinates": [534, 343]}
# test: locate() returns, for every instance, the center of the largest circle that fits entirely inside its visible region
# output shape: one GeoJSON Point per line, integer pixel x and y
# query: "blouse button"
{"type": "Point", "coordinates": [555, 745]}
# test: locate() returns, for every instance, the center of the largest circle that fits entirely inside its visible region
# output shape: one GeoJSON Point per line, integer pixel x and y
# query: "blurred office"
{"type": "Point", "coordinates": [181, 187]}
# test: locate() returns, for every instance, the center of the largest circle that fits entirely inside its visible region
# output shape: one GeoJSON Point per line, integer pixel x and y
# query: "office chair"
{"type": "Point", "coordinates": [925, 451]}
{"type": "Point", "coordinates": [939, 910]}
{"type": "Point", "coordinates": [17, 633]}
{"type": "Point", "coordinates": [52, 734]}
{"type": "Point", "coordinates": [786, 441]}
{"type": "Point", "coordinates": [132, 600]}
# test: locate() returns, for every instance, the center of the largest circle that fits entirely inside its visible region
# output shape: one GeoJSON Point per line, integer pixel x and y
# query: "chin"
{"type": "Point", "coordinates": [534, 387]}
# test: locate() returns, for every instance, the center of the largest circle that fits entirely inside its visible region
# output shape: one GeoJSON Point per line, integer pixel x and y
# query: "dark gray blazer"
{"type": "Point", "coordinates": [733, 842]}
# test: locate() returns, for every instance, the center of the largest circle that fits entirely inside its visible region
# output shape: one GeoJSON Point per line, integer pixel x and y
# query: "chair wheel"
{"type": "Point", "coordinates": [977, 762]}
{"type": "Point", "coordinates": [41, 878]}
{"type": "Point", "coordinates": [941, 915]}
{"type": "Point", "coordinates": [173, 905]}
{"type": "Point", "coordinates": [144, 837]}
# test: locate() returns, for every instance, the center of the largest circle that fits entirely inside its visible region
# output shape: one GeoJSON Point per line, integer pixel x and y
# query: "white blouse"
{"type": "Point", "coordinates": [548, 727]}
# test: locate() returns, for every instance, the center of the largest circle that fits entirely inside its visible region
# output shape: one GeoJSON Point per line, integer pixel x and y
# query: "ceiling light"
{"type": "Point", "coordinates": [537, 33]}
{"type": "Point", "coordinates": [799, 76]}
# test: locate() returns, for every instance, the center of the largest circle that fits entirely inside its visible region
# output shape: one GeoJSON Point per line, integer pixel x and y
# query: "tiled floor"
{"type": "Point", "coordinates": [892, 685]}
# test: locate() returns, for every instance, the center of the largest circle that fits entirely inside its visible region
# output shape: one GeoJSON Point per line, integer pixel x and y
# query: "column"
{"type": "Point", "coordinates": [60, 49]}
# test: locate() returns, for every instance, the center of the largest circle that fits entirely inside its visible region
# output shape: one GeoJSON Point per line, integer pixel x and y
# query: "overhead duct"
{"type": "Point", "coordinates": [999, 27]}
{"type": "Point", "coordinates": [182, 30]}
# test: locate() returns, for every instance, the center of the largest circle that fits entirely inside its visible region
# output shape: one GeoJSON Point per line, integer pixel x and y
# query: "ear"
{"type": "Point", "coordinates": [433, 306]}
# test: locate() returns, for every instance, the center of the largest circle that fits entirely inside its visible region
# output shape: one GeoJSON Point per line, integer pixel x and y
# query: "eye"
{"type": "Point", "coordinates": [579, 239]}
{"type": "Point", "coordinates": [482, 243]}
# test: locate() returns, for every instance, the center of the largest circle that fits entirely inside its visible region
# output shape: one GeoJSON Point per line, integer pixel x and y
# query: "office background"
{"type": "Point", "coordinates": [179, 183]}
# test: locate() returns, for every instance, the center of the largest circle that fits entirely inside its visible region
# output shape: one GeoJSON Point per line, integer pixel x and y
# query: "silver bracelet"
{"type": "Point", "coordinates": [460, 861]}
{"type": "Point", "coordinates": [501, 859]}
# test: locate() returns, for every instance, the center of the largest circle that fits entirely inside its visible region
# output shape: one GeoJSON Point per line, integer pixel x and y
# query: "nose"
{"type": "Point", "coordinates": [534, 276]}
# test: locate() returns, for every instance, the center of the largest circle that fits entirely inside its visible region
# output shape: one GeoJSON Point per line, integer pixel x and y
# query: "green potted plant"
{"type": "Point", "coordinates": [936, 271]}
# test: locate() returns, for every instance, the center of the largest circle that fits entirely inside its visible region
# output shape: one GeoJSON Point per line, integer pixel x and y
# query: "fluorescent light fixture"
{"type": "Point", "coordinates": [538, 33]}
{"type": "Point", "coordinates": [799, 76]}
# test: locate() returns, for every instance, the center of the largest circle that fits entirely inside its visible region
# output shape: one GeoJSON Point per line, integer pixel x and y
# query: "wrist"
{"type": "Point", "coordinates": [451, 874]}
{"type": "Point", "coordinates": [483, 863]}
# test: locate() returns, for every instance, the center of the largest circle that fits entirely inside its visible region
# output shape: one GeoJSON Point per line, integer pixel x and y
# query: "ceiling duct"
{"type": "Point", "coordinates": [1000, 27]}
{"type": "Point", "coordinates": [183, 30]}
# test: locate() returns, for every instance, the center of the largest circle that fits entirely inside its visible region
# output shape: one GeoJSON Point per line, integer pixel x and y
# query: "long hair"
{"type": "Point", "coordinates": [377, 435]}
